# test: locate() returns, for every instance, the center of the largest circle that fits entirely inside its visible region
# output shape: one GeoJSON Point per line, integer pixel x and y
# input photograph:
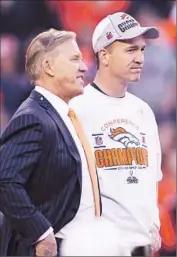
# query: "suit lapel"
{"type": "Point", "coordinates": [61, 126]}
{"type": "Point", "coordinates": [65, 132]}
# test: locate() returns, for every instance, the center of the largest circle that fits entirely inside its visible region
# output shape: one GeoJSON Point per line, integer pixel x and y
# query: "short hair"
{"type": "Point", "coordinates": [97, 61]}
{"type": "Point", "coordinates": [41, 44]}
{"type": "Point", "coordinates": [97, 58]}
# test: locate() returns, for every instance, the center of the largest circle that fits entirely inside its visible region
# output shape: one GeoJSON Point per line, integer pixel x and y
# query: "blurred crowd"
{"type": "Point", "coordinates": [21, 20]}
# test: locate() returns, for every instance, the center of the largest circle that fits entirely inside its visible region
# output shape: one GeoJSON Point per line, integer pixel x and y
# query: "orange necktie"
{"type": "Point", "coordinates": [90, 159]}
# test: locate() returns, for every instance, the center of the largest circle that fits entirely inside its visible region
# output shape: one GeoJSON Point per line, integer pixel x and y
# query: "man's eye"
{"type": "Point", "coordinates": [131, 50]}
{"type": "Point", "coordinates": [76, 58]}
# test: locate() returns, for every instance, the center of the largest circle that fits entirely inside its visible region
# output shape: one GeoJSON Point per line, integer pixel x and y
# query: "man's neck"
{"type": "Point", "coordinates": [110, 85]}
{"type": "Point", "coordinates": [56, 90]}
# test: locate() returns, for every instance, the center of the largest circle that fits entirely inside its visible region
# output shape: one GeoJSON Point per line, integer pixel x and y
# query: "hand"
{"type": "Point", "coordinates": [155, 239]}
{"type": "Point", "coordinates": [47, 246]}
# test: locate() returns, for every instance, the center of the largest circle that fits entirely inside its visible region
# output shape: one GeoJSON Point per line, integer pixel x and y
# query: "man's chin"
{"type": "Point", "coordinates": [79, 91]}
{"type": "Point", "coordinates": [135, 79]}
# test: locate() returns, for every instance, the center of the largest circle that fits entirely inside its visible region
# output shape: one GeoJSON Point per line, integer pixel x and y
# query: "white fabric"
{"type": "Point", "coordinates": [124, 126]}
{"type": "Point", "coordinates": [96, 238]}
{"type": "Point", "coordinates": [46, 234]}
{"type": "Point", "coordinates": [155, 239]}
{"type": "Point", "coordinates": [86, 208]}
{"type": "Point", "coordinates": [119, 26]}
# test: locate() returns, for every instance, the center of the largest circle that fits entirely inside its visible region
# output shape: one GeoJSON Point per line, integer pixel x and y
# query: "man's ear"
{"type": "Point", "coordinates": [47, 67]}
{"type": "Point", "coordinates": [103, 57]}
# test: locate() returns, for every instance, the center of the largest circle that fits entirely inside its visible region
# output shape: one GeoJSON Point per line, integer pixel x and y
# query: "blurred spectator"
{"type": "Point", "coordinates": [173, 13]}
{"type": "Point", "coordinates": [9, 49]}
{"type": "Point", "coordinates": [3, 114]}
{"type": "Point", "coordinates": [167, 204]}
{"type": "Point", "coordinates": [158, 76]}
{"type": "Point", "coordinates": [12, 89]}
{"type": "Point", "coordinates": [22, 18]}
{"type": "Point", "coordinates": [167, 132]}
{"type": "Point", "coordinates": [167, 111]}
{"type": "Point", "coordinates": [162, 10]}
{"type": "Point", "coordinates": [86, 14]}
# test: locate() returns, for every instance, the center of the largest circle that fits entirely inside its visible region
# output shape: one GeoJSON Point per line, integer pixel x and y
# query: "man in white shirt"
{"type": "Point", "coordinates": [123, 132]}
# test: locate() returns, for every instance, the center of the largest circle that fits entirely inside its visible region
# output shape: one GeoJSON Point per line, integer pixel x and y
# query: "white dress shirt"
{"type": "Point", "coordinates": [86, 208]}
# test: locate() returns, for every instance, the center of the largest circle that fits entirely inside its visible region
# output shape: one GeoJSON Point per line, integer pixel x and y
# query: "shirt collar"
{"type": "Point", "coordinates": [60, 106]}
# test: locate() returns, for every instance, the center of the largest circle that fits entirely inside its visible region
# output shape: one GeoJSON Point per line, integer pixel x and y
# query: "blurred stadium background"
{"type": "Point", "coordinates": [21, 20]}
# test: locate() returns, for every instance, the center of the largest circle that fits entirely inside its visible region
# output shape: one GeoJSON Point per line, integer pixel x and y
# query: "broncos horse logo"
{"type": "Point", "coordinates": [121, 135]}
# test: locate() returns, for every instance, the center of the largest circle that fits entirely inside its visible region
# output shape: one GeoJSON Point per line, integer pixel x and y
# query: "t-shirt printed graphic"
{"type": "Point", "coordinates": [120, 146]}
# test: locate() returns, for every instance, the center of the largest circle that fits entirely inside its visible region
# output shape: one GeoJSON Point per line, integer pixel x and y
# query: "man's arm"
{"type": "Point", "coordinates": [21, 148]}
{"type": "Point", "coordinates": [48, 232]}
{"type": "Point", "coordinates": [157, 155]}
{"type": "Point", "coordinates": [155, 227]}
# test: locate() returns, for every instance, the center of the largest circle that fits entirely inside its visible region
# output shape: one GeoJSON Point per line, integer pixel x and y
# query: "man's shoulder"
{"type": "Point", "coordinates": [83, 99]}
{"type": "Point", "coordinates": [28, 106]}
{"type": "Point", "coordinates": [88, 91]}
{"type": "Point", "coordinates": [29, 111]}
{"type": "Point", "coordinates": [139, 103]}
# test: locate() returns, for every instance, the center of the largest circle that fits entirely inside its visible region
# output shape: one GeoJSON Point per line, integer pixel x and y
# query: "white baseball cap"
{"type": "Point", "coordinates": [119, 26]}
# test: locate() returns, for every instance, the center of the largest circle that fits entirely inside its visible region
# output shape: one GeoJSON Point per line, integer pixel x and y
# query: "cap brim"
{"type": "Point", "coordinates": [150, 32]}
{"type": "Point", "coordinates": [147, 32]}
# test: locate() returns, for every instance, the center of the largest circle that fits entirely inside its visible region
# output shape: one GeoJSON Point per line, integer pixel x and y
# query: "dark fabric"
{"type": "Point", "coordinates": [59, 241]}
{"type": "Point", "coordinates": [139, 251]}
{"type": "Point", "coordinates": [99, 89]}
{"type": "Point", "coordinates": [40, 176]}
{"type": "Point", "coordinates": [5, 235]}
{"type": "Point", "coordinates": [142, 251]}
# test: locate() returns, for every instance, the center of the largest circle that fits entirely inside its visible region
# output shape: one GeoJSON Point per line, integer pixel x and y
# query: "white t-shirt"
{"type": "Point", "coordinates": [124, 136]}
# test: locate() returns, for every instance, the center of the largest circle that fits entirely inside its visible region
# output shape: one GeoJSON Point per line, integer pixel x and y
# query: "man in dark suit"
{"type": "Point", "coordinates": [41, 160]}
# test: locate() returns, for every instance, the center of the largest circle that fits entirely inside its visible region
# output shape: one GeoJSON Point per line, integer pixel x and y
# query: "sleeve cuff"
{"type": "Point", "coordinates": [48, 232]}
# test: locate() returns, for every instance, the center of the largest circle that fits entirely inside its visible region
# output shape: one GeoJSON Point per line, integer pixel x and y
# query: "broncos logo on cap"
{"type": "Point", "coordinates": [121, 135]}
{"type": "Point", "coordinates": [124, 15]}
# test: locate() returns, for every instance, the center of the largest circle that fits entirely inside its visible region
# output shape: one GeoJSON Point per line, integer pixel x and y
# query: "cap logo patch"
{"type": "Point", "coordinates": [126, 25]}
{"type": "Point", "coordinates": [123, 16]}
{"type": "Point", "coordinates": [109, 35]}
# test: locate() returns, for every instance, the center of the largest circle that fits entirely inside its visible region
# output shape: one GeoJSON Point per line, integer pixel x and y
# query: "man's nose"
{"type": "Point", "coordinates": [139, 58]}
{"type": "Point", "coordinates": [83, 67]}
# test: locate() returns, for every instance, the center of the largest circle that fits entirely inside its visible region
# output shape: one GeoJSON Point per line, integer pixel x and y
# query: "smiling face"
{"type": "Point", "coordinates": [124, 59]}
{"type": "Point", "coordinates": [66, 69]}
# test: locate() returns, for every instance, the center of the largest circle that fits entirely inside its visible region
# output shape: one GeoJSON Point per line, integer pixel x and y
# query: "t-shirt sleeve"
{"type": "Point", "coordinates": [156, 146]}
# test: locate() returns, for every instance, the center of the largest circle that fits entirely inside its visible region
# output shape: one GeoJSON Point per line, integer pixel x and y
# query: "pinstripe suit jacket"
{"type": "Point", "coordinates": [40, 176]}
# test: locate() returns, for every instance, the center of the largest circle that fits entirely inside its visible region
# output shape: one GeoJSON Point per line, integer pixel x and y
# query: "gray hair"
{"type": "Point", "coordinates": [41, 44]}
